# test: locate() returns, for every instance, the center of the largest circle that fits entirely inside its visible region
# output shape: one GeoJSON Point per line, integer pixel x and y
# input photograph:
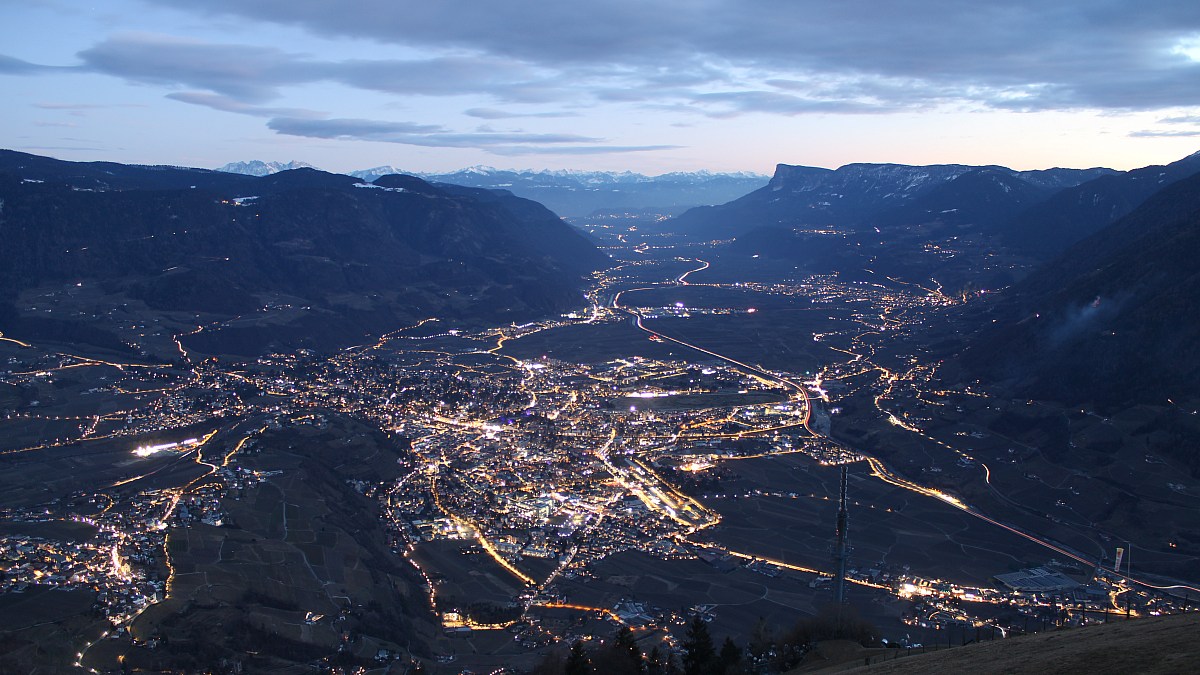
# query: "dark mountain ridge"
{"type": "Point", "coordinates": [365, 257]}
{"type": "Point", "coordinates": [984, 197]}
{"type": "Point", "coordinates": [104, 176]}
{"type": "Point", "coordinates": [579, 194]}
{"type": "Point", "coordinates": [802, 195]}
{"type": "Point", "coordinates": [1069, 215]}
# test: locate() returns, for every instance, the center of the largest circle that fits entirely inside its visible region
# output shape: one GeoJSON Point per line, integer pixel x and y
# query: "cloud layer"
{"type": "Point", "coordinates": [1024, 54]}
{"type": "Point", "coordinates": [715, 59]}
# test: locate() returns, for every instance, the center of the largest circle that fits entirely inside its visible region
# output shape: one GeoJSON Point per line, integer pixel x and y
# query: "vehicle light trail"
{"type": "Point", "coordinates": [801, 568]}
{"type": "Point", "coordinates": [491, 550]}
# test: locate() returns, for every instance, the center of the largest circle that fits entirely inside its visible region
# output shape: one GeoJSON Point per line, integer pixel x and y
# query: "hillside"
{"type": "Point", "coordinates": [571, 194]}
{"type": "Point", "coordinates": [357, 257]}
{"type": "Point", "coordinates": [1116, 316]}
{"type": "Point", "coordinates": [1112, 325]}
{"type": "Point", "coordinates": [1155, 645]}
{"type": "Point", "coordinates": [579, 194]}
{"type": "Point", "coordinates": [1049, 227]}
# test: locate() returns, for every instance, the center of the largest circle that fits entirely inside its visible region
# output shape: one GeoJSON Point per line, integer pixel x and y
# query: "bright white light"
{"type": "Point", "coordinates": [949, 499]}
{"type": "Point", "coordinates": [147, 450]}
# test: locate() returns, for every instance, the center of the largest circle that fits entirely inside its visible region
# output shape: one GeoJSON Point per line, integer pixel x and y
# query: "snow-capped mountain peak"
{"type": "Point", "coordinates": [257, 167]}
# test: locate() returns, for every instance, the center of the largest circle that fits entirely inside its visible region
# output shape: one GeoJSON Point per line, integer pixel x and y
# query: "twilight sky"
{"type": "Point", "coordinates": [646, 85]}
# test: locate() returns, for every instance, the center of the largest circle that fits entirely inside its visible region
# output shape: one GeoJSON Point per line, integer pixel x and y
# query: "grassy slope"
{"type": "Point", "coordinates": [1169, 644]}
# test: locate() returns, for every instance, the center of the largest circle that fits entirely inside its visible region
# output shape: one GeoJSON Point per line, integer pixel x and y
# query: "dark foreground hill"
{"type": "Point", "coordinates": [1152, 646]}
{"type": "Point", "coordinates": [356, 257]}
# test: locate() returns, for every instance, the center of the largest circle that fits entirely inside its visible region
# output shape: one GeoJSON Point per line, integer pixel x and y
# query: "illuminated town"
{"type": "Point", "coordinates": [537, 468]}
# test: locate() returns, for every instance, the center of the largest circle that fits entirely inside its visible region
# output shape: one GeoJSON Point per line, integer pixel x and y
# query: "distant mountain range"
{"type": "Point", "coordinates": [1040, 213]}
{"type": "Point", "coordinates": [574, 194]}
{"type": "Point", "coordinates": [259, 168]}
{"type": "Point", "coordinates": [360, 257]}
{"type": "Point", "coordinates": [863, 195]}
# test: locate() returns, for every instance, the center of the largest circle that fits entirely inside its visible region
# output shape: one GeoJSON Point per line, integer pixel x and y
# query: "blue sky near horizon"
{"type": "Point", "coordinates": [722, 85]}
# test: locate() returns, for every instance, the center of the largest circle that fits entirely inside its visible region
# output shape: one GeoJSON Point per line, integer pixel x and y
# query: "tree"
{"type": "Point", "coordinates": [621, 656]}
{"type": "Point", "coordinates": [578, 662]}
{"type": "Point", "coordinates": [660, 662]}
{"type": "Point", "coordinates": [831, 623]}
{"type": "Point", "coordinates": [762, 639]}
{"type": "Point", "coordinates": [729, 661]}
{"type": "Point", "coordinates": [699, 655]}
{"type": "Point", "coordinates": [552, 664]}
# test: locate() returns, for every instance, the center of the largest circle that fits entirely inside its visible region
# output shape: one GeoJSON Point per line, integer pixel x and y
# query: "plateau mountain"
{"type": "Point", "coordinates": [859, 196]}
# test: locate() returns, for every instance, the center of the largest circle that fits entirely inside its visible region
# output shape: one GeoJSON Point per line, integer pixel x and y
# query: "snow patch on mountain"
{"type": "Point", "coordinates": [257, 167]}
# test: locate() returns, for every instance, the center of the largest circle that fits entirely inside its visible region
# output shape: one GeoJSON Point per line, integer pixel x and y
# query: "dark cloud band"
{"type": "Point", "coordinates": [1020, 54]}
